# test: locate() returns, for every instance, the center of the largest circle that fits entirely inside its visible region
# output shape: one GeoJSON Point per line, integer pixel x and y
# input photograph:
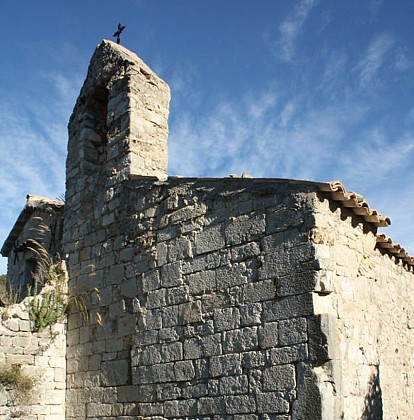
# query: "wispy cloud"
{"type": "Point", "coordinates": [33, 146]}
{"type": "Point", "coordinates": [373, 8]}
{"type": "Point", "coordinates": [289, 133]}
{"type": "Point", "coordinates": [402, 62]}
{"type": "Point", "coordinates": [291, 28]}
{"type": "Point", "coordinates": [374, 58]}
{"type": "Point", "coordinates": [376, 158]}
{"type": "Point", "coordinates": [285, 139]}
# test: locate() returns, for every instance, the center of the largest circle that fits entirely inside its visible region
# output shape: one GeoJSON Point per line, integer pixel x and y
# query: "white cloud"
{"type": "Point", "coordinates": [33, 133]}
{"type": "Point", "coordinates": [291, 28]}
{"type": "Point", "coordinates": [285, 139]}
{"type": "Point", "coordinates": [402, 62]}
{"type": "Point", "coordinates": [375, 158]}
{"type": "Point", "coordinates": [373, 8]}
{"type": "Point", "coordinates": [292, 135]}
{"type": "Point", "coordinates": [374, 58]}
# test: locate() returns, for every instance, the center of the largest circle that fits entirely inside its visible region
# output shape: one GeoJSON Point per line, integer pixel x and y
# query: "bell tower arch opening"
{"type": "Point", "coordinates": [94, 131]}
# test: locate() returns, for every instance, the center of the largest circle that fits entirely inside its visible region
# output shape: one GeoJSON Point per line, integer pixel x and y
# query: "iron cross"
{"type": "Point", "coordinates": [118, 33]}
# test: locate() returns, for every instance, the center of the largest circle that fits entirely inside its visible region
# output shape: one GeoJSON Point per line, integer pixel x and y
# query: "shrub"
{"type": "Point", "coordinates": [13, 378]}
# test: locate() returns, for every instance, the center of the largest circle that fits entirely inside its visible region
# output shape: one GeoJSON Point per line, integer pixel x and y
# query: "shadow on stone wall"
{"type": "Point", "coordinates": [373, 399]}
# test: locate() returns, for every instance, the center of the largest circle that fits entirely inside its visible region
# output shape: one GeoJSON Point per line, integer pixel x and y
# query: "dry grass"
{"type": "Point", "coordinates": [11, 377]}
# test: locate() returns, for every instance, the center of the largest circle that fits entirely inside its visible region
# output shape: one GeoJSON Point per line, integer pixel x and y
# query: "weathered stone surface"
{"type": "Point", "coordinates": [40, 356]}
{"type": "Point", "coordinates": [241, 298]}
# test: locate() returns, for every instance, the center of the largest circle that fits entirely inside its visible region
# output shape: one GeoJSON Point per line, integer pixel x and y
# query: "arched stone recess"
{"type": "Point", "coordinates": [93, 132]}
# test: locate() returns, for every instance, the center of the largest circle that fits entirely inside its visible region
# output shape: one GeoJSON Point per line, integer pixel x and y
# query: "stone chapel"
{"type": "Point", "coordinates": [219, 298]}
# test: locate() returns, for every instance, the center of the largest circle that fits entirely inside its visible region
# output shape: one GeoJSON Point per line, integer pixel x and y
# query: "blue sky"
{"type": "Point", "coordinates": [307, 89]}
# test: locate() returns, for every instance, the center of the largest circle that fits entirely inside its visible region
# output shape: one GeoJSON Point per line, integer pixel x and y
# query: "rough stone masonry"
{"type": "Point", "coordinates": [239, 299]}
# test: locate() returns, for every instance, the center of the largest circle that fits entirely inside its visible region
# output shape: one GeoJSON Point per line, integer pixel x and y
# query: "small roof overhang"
{"type": "Point", "coordinates": [33, 202]}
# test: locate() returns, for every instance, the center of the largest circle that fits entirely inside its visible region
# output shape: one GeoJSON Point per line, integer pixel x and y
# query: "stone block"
{"type": "Point", "coordinates": [288, 307]}
{"type": "Point", "coordinates": [177, 295]}
{"type": "Point", "coordinates": [162, 252]}
{"type": "Point", "coordinates": [151, 281]}
{"type": "Point", "coordinates": [268, 335]}
{"type": "Point", "coordinates": [116, 274]}
{"type": "Point", "coordinates": [164, 372]}
{"type": "Point", "coordinates": [184, 371]}
{"type": "Point", "coordinates": [282, 261]}
{"type": "Point", "coordinates": [153, 319]}
{"type": "Point", "coordinates": [151, 411]}
{"type": "Point", "coordinates": [171, 351]}
{"type": "Point", "coordinates": [136, 393]}
{"type": "Point", "coordinates": [227, 277]}
{"type": "Point", "coordinates": [145, 338]}
{"type": "Point", "coordinates": [201, 282]}
{"type": "Point", "coordinates": [284, 218]}
{"type": "Point", "coordinates": [211, 345]}
{"type": "Point", "coordinates": [240, 404]}
{"type": "Point", "coordinates": [247, 417]}
{"type": "Point", "coordinates": [179, 249]}
{"type": "Point", "coordinates": [169, 334]}
{"type": "Point", "coordinates": [129, 288]}
{"type": "Point", "coordinates": [292, 331]}
{"type": "Point", "coordinates": [149, 355]}
{"type": "Point", "coordinates": [245, 228]}
{"type": "Point", "coordinates": [296, 283]}
{"type": "Point", "coordinates": [19, 359]}
{"type": "Point", "coordinates": [272, 402]}
{"type": "Point", "coordinates": [25, 325]}
{"type": "Point", "coordinates": [210, 239]}
{"type": "Point", "coordinates": [308, 402]}
{"type": "Point", "coordinates": [12, 324]}
{"type": "Point", "coordinates": [171, 275]}
{"type": "Point", "coordinates": [241, 340]}
{"type": "Point", "coordinates": [233, 385]}
{"type": "Point", "coordinates": [226, 319]}
{"type": "Point", "coordinates": [253, 359]}
{"type": "Point", "coordinates": [229, 364]}
{"type": "Point", "coordinates": [60, 374]}
{"type": "Point", "coordinates": [250, 314]}
{"type": "Point", "coordinates": [290, 354]}
{"type": "Point", "coordinates": [245, 251]}
{"type": "Point", "coordinates": [115, 372]}
{"type": "Point", "coordinates": [183, 408]}
{"type": "Point", "coordinates": [260, 291]}
{"type": "Point", "coordinates": [169, 391]}
{"type": "Point", "coordinates": [202, 263]}
{"type": "Point", "coordinates": [170, 316]}
{"type": "Point", "coordinates": [191, 312]}
{"type": "Point", "coordinates": [211, 406]}
{"type": "Point", "coordinates": [279, 378]}
{"type": "Point", "coordinates": [156, 298]}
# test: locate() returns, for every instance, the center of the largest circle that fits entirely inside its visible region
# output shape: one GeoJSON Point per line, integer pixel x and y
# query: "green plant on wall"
{"type": "Point", "coordinates": [51, 305]}
{"type": "Point", "coordinates": [46, 309]}
{"type": "Point", "coordinates": [12, 377]}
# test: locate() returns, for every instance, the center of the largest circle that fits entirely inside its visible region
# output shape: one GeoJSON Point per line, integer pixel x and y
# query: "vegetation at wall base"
{"type": "Point", "coordinates": [12, 377]}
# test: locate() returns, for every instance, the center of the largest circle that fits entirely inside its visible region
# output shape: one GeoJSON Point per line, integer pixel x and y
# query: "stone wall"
{"type": "Point", "coordinates": [238, 298]}
{"type": "Point", "coordinates": [41, 221]}
{"type": "Point", "coordinates": [369, 296]}
{"type": "Point", "coordinates": [206, 303]}
{"type": "Point", "coordinates": [40, 356]}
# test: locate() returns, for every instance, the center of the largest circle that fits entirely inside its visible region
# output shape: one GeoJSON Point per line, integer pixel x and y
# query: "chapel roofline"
{"type": "Point", "coordinates": [335, 191]}
{"type": "Point", "coordinates": [33, 202]}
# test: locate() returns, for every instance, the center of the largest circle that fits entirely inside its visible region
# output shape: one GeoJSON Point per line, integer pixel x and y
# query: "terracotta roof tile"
{"type": "Point", "coordinates": [359, 206]}
{"type": "Point", "coordinates": [355, 202]}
